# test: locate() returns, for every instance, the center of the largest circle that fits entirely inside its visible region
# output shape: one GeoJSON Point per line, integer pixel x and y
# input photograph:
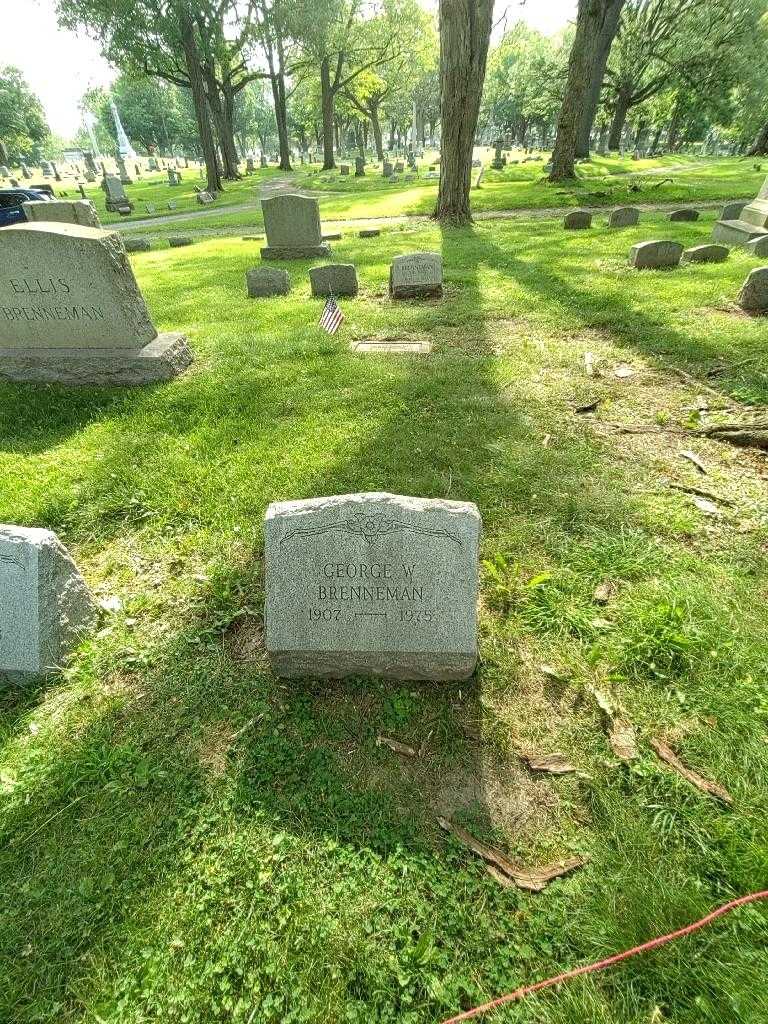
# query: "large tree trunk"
{"type": "Point", "coordinates": [281, 117]}
{"type": "Point", "coordinates": [465, 31]}
{"type": "Point", "coordinates": [327, 104]}
{"type": "Point", "coordinates": [223, 128]}
{"type": "Point", "coordinates": [760, 145]}
{"type": "Point", "coordinates": [619, 119]}
{"type": "Point", "coordinates": [197, 86]}
{"type": "Point", "coordinates": [592, 99]}
{"type": "Point", "coordinates": [376, 127]}
{"type": "Point", "coordinates": [591, 17]}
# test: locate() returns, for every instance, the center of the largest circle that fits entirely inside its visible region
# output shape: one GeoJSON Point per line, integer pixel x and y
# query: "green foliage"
{"type": "Point", "coordinates": [23, 127]}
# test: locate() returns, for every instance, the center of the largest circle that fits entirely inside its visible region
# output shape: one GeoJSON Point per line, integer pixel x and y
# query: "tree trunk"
{"type": "Point", "coordinates": [197, 86]}
{"type": "Point", "coordinates": [655, 142]}
{"type": "Point", "coordinates": [673, 131]}
{"type": "Point", "coordinates": [465, 31]}
{"type": "Point", "coordinates": [376, 128]}
{"type": "Point", "coordinates": [760, 145]}
{"type": "Point", "coordinates": [277, 81]}
{"type": "Point", "coordinates": [619, 119]}
{"type": "Point", "coordinates": [228, 126]}
{"type": "Point", "coordinates": [592, 99]}
{"type": "Point", "coordinates": [327, 104]}
{"type": "Point", "coordinates": [226, 144]}
{"type": "Point", "coordinates": [591, 17]}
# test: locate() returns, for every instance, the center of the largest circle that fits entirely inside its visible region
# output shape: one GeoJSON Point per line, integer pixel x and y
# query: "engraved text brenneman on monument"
{"type": "Point", "coordinates": [56, 287]}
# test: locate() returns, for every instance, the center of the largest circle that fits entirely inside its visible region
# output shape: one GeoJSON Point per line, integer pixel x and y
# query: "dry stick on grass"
{"type": "Point", "coordinates": [704, 785]}
{"type": "Point", "coordinates": [701, 493]}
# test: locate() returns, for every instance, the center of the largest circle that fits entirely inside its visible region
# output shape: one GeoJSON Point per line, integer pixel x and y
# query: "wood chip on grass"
{"type": "Point", "coordinates": [621, 732]}
{"type": "Point", "coordinates": [503, 870]}
{"type": "Point", "coordinates": [554, 764]}
{"type": "Point", "coordinates": [397, 746]}
{"type": "Point", "coordinates": [714, 789]}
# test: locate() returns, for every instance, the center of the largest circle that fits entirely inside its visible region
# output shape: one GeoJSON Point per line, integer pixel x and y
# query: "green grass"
{"type": "Point", "coordinates": [185, 838]}
{"type": "Point", "coordinates": [603, 181]}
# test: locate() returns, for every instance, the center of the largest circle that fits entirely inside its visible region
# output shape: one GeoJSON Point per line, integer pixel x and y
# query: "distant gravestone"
{"type": "Point", "coordinates": [684, 215]}
{"type": "Point", "coordinates": [753, 296]}
{"type": "Point", "coordinates": [25, 171]}
{"type": "Point", "coordinates": [179, 241]}
{"type": "Point", "coordinates": [751, 223]}
{"type": "Point", "coordinates": [152, 164]}
{"type": "Point", "coordinates": [117, 200]}
{"type": "Point", "coordinates": [4, 171]}
{"type": "Point", "coordinates": [758, 246]}
{"type": "Point", "coordinates": [174, 178]}
{"type": "Point", "coordinates": [63, 211]}
{"type": "Point", "coordinates": [250, 166]}
{"type": "Point", "coordinates": [344, 169]}
{"type": "Point", "coordinates": [387, 169]}
{"type": "Point", "coordinates": [137, 245]}
{"type": "Point", "coordinates": [359, 167]}
{"type": "Point", "coordinates": [125, 178]}
{"type": "Point", "coordinates": [706, 254]}
{"type": "Point", "coordinates": [416, 275]}
{"type": "Point", "coordinates": [262, 282]}
{"type": "Point", "coordinates": [292, 226]}
{"type": "Point", "coordinates": [205, 198]}
{"type": "Point", "coordinates": [576, 220]}
{"type": "Point", "coordinates": [624, 217]}
{"type": "Point", "coordinates": [733, 211]}
{"type": "Point", "coordinates": [71, 311]}
{"type": "Point", "coordinates": [333, 279]}
{"type": "Point", "coordinates": [89, 176]}
{"type": "Point", "coordinates": [370, 233]}
{"type": "Point", "coordinates": [45, 605]}
{"type": "Point", "coordinates": [655, 255]}
{"type": "Point", "coordinates": [372, 584]}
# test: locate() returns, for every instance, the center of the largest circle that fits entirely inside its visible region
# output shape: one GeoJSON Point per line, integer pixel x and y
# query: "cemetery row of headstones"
{"type": "Point", "coordinates": [358, 583]}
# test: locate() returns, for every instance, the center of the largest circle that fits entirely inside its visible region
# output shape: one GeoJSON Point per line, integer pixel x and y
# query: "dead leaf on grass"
{"type": "Point", "coordinates": [397, 746]}
{"type": "Point", "coordinates": [704, 785]}
{"type": "Point", "coordinates": [604, 592]}
{"type": "Point", "coordinates": [553, 673]}
{"type": "Point", "coordinates": [555, 764]}
{"type": "Point", "coordinates": [705, 505]}
{"type": "Point", "coordinates": [622, 739]}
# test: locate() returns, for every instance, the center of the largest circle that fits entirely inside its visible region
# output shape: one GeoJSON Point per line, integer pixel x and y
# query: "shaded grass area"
{"type": "Point", "coordinates": [184, 837]}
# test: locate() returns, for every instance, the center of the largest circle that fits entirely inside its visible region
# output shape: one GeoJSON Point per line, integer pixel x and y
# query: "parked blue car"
{"type": "Point", "coordinates": [11, 200]}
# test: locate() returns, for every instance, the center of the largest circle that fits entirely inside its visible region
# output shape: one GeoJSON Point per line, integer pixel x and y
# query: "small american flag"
{"type": "Point", "coordinates": [332, 317]}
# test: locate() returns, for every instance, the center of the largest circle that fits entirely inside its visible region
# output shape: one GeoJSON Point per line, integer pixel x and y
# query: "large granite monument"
{"type": "Point", "coordinates": [292, 226]}
{"type": "Point", "coordinates": [45, 605]}
{"type": "Point", "coordinates": [752, 223]}
{"type": "Point", "coordinates": [372, 584]}
{"type": "Point", "coordinates": [71, 311]}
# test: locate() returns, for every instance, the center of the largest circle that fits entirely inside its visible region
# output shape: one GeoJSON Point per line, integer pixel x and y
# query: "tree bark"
{"type": "Point", "coordinates": [376, 128]}
{"type": "Point", "coordinates": [759, 146]}
{"type": "Point", "coordinates": [465, 32]}
{"type": "Point", "coordinates": [327, 103]}
{"type": "Point", "coordinates": [619, 120]}
{"type": "Point", "coordinates": [223, 129]}
{"type": "Point", "coordinates": [591, 17]}
{"type": "Point", "coordinates": [592, 99]}
{"type": "Point", "coordinates": [197, 86]}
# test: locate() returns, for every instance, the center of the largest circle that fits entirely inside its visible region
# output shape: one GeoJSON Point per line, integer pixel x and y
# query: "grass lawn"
{"type": "Point", "coordinates": [184, 838]}
{"type": "Point", "coordinates": [604, 181]}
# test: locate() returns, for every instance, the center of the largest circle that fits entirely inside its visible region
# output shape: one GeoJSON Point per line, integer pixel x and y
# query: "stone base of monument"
{"type": "Point", "coordinates": [392, 665]}
{"type": "Point", "coordinates": [737, 232]}
{"type": "Point", "coordinates": [160, 360]}
{"type": "Point", "coordinates": [303, 252]}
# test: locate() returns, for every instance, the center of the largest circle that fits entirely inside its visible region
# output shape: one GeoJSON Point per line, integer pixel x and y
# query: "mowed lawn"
{"type": "Point", "coordinates": [603, 181]}
{"type": "Point", "coordinates": [185, 838]}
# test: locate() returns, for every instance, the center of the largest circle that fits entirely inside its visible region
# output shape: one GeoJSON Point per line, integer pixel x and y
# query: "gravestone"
{"type": "Point", "coordinates": [706, 254]}
{"type": "Point", "coordinates": [684, 215]}
{"type": "Point", "coordinates": [250, 166]}
{"type": "Point", "coordinates": [399, 167]}
{"type": "Point", "coordinates": [498, 160]}
{"type": "Point", "coordinates": [359, 167]}
{"type": "Point", "coordinates": [416, 275]}
{"type": "Point", "coordinates": [733, 211]}
{"type": "Point", "coordinates": [262, 282]}
{"type": "Point", "coordinates": [45, 605]}
{"type": "Point", "coordinates": [25, 171]}
{"type": "Point", "coordinates": [137, 245]}
{"type": "Point", "coordinates": [577, 220]}
{"type": "Point", "coordinates": [758, 246]}
{"type": "Point", "coordinates": [372, 584]}
{"type": "Point", "coordinates": [174, 178]}
{"type": "Point", "coordinates": [369, 233]}
{"type": "Point", "coordinates": [117, 200]}
{"type": "Point", "coordinates": [71, 311]}
{"type": "Point", "coordinates": [386, 169]}
{"type": "Point", "coordinates": [205, 198]}
{"type": "Point", "coordinates": [4, 171]}
{"type": "Point", "coordinates": [125, 178]}
{"type": "Point", "coordinates": [46, 169]}
{"type": "Point", "coordinates": [179, 241]}
{"type": "Point", "coordinates": [655, 255]}
{"type": "Point", "coordinates": [81, 190]}
{"type": "Point", "coordinates": [751, 223]}
{"type": "Point", "coordinates": [63, 211]}
{"type": "Point", "coordinates": [344, 169]}
{"type": "Point", "coordinates": [264, 161]}
{"type": "Point", "coordinates": [391, 346]}
{"type": "Point", "coordinates": [89, 176]}
{"type": "Point", "coordinates": [333, 279]}
{"type": "Point", "coordinates": [292, 226]}
{"type": "Point", "coordinates": [753, 296]}
{"type": "Point", "coordinates": [152, 164]}
{"type": "Point", "coordinates": [624, 217]}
